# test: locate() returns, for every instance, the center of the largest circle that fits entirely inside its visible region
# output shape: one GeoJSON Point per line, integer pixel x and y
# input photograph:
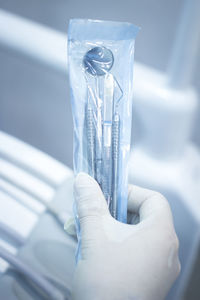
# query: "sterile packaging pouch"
{"type": "Point", "coordinates": [100, 58]}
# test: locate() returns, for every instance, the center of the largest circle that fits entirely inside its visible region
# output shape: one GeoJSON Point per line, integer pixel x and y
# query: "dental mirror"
{"type": "Point", "coordinates": [98, 61]}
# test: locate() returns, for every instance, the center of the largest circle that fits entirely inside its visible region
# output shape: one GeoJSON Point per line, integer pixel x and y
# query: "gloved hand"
{"type": "Point", "coordinates": [124, 261]}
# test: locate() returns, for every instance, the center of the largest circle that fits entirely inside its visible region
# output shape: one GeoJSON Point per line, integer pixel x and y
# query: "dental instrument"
{"type": "Point", "coordinates": [90, 137]}
{"type": "Point", "coordinates": [115, 155]}
{"type": "Point", "coordinates": [107, 137]}
{"type": "Point", "coordinates": [98, 61]}
{"type": "Point", "coordinates": [115, 148]}
{"type": "Point", "coordinates": [40, 281]}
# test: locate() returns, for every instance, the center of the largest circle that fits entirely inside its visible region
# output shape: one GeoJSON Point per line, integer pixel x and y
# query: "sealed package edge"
{"type": "Point", "coordinates": [100, 58]}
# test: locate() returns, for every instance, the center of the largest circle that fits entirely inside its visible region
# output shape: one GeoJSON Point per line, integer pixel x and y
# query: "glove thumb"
{"type": "Point", "coordinates": [90, 202]}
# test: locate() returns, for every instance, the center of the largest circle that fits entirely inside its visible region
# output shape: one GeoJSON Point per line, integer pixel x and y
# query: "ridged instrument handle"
{"type": "Point", "coordinates": [115, 155]}
{"type": "Point", "coordinates": [90, 141]}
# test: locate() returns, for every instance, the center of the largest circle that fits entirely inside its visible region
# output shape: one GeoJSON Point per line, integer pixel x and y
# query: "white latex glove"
{"type": "Point", "coordinates": [121, 261]}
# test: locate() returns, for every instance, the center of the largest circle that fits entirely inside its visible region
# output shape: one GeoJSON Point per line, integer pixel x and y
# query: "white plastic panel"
{"type": "Point", "coordinates": [32, 160]}
{"type": "Point", "coordinates": [16, 216]}
{"type": "Point", "coordinates": [26, 181]}
{"type": "Point", "coordinates": [21, 196]}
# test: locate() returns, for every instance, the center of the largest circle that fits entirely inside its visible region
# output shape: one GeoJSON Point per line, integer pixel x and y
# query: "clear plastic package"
{"type": "Point", "coordinates": [100, 57]}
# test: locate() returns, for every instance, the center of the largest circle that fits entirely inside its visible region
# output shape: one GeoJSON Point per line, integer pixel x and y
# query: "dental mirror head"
{"type": "Point", "coordinates": [98, 61]}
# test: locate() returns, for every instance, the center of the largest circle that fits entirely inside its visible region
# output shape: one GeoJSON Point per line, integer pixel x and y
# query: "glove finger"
{"type": "Point", "coordinates": [89, 197]}
{"type": "Point", "coordinates": [147, 203]}
{"type": "Point", "coordinates": [91, 205]}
